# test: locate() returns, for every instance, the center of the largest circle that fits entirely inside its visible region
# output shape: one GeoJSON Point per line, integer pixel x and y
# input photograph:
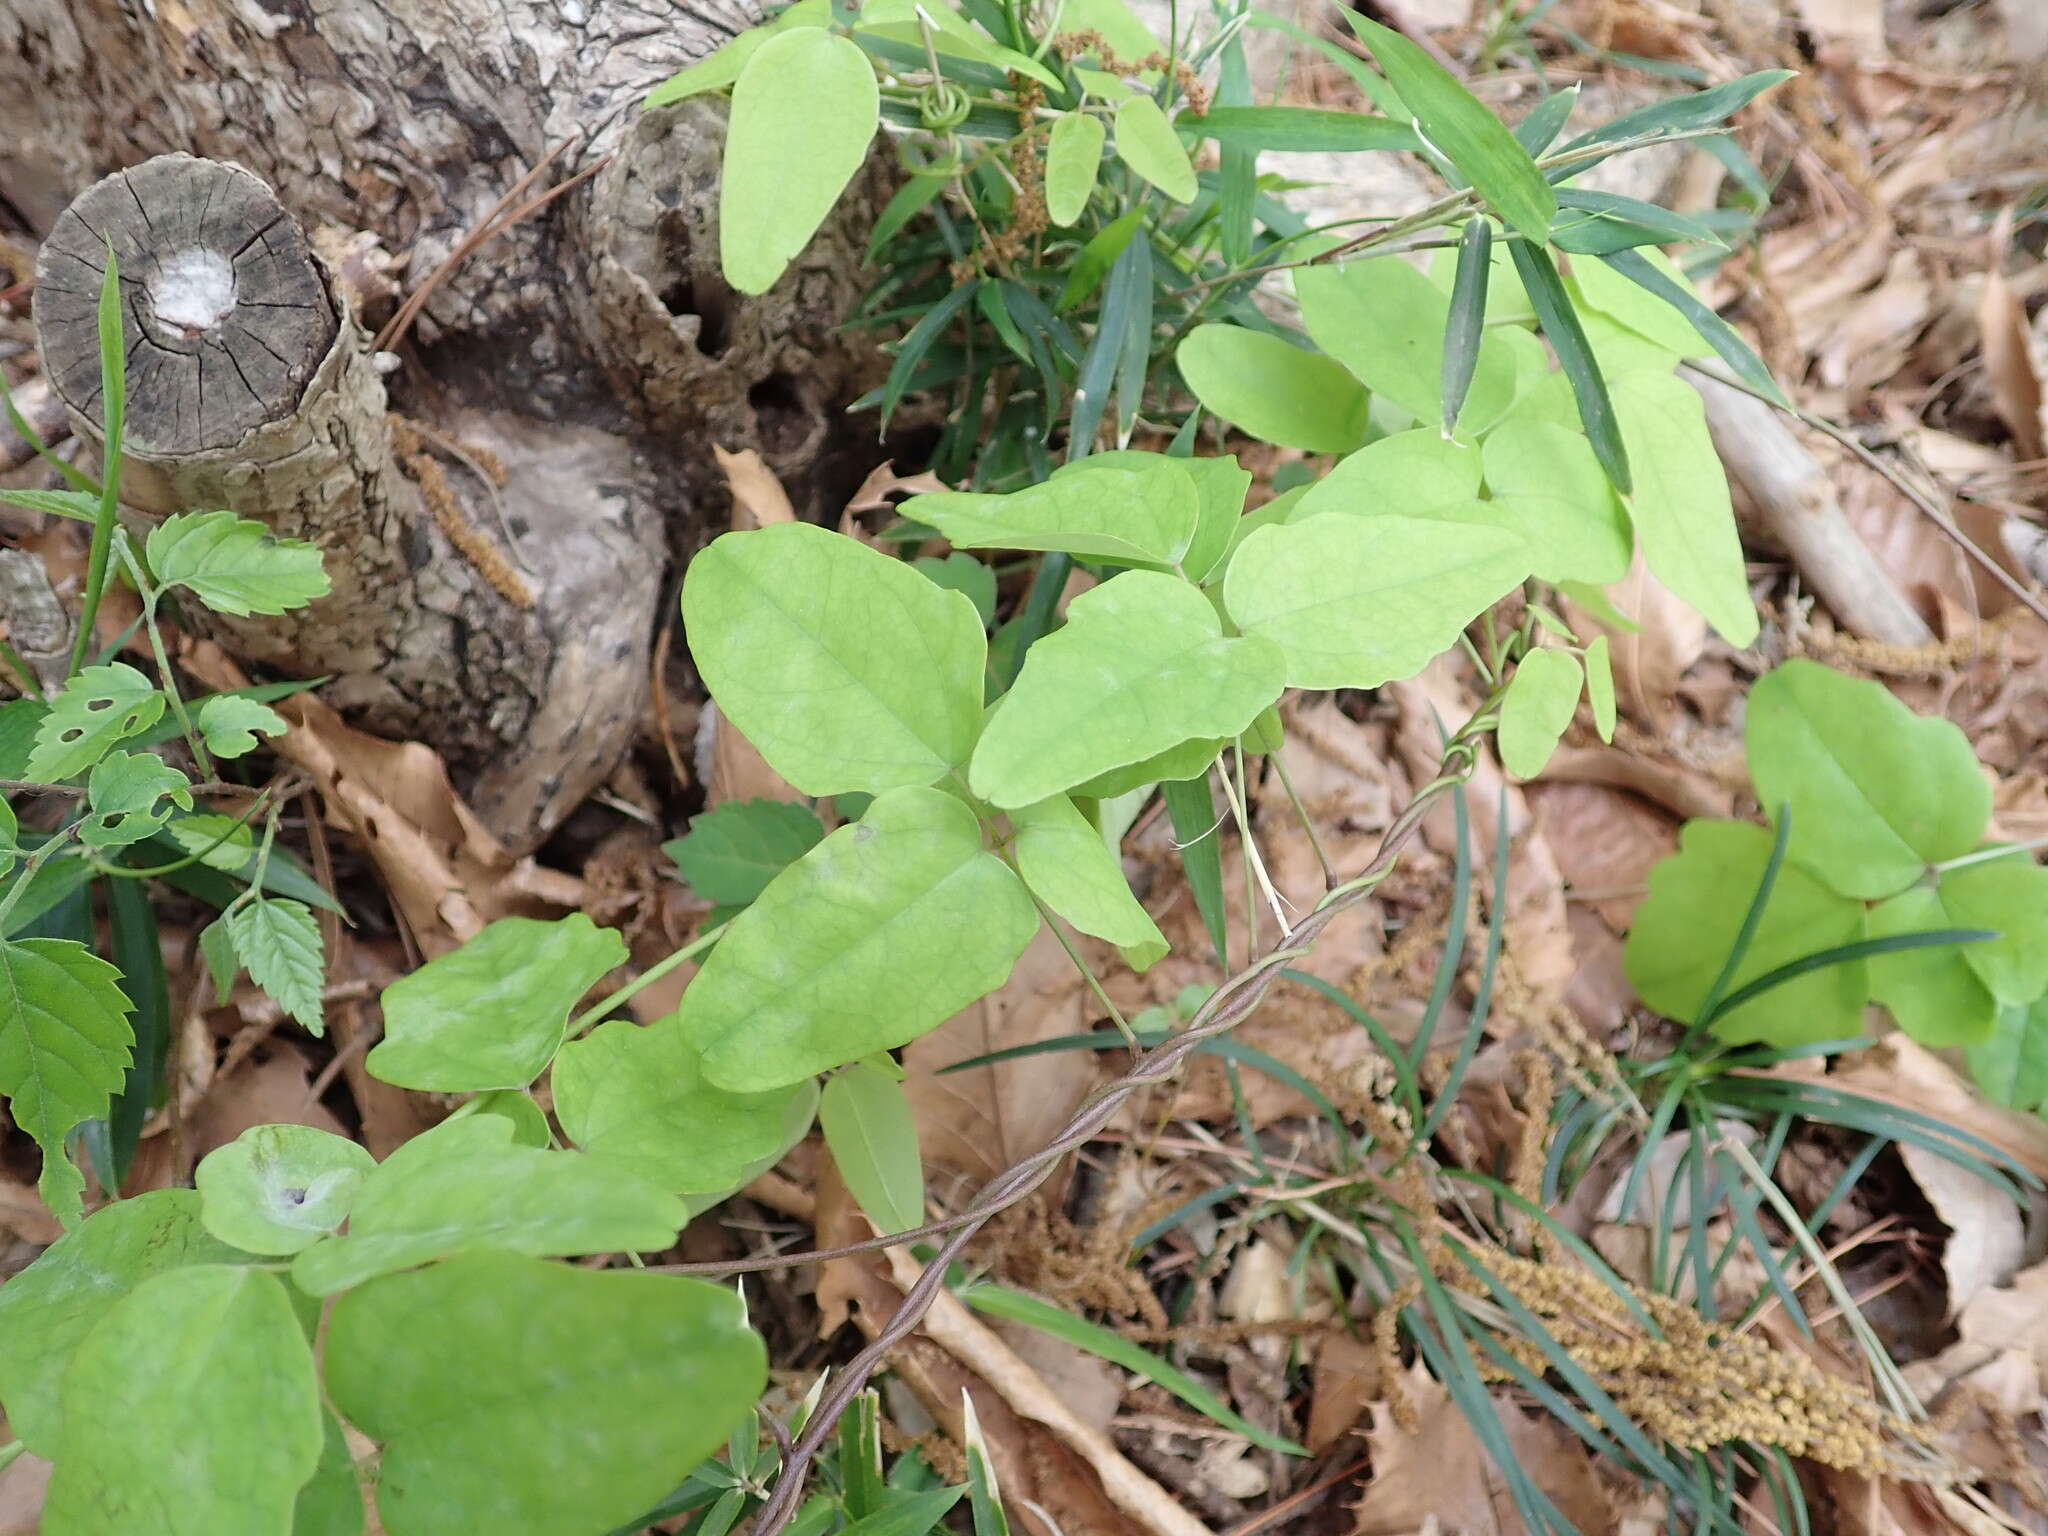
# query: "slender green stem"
{"type": "Point", "coordinates": [1308, 825]}
{"type": "Point", "coordinates": [129, 872]}
{"type": "Point", "coordinates": [1986, 855]}
{"type": "Point", "coordinates": [36, 861]}
{"type": "Point", "coordinates": [169, 683]}
{"type": "Point", "coordinates": [30, 687]}
{"type": "Point", "coordinates": [645, 979]}
{"type": "Point", "coordinates": [1116, 1014]}
{"type": "Point", "coordinates": [9, 1451]}
{"type": "Point", "coordinates": [113, 398]}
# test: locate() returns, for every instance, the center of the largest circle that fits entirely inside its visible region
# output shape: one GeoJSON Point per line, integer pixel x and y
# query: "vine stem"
{"type": "Point", "coordinates": [1230, 1005]}
{"type": "Point", "coordinates": [646, 978]}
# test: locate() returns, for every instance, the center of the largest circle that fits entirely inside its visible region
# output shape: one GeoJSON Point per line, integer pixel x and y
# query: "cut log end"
{"type": "Point", "coordinates": [224, 315]}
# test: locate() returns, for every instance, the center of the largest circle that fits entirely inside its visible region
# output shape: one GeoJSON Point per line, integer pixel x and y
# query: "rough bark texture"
{"type": "Point", "coordinates": [592, 348]}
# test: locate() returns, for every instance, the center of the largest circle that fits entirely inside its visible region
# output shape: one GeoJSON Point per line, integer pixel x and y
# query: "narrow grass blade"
{"type": "Point", "coordinates": [1710, 1005]}
{"type": "Point", "coordinates": [1482, 997]}
{"type": "Point", "coordinates": [1193, 812]}
{"type": "Point", "coordinates": [1466, 326]}
{"type": "Point", "coordinates": [1546, 120]}
{"type": "Point", "coordinates": [1843, 954]}
{"type": "Point", "coordinates": [1560, 323]}
{"type": "Point", "coordinates": [1728, 345]}
{"type": "Point", "coordinates": [138, 953]}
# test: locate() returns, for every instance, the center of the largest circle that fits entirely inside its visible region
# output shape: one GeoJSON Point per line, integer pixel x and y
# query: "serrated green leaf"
{"type": "Point", "coordinates": [1541, 698]}
{"type": "Point", "coordinates": [10, 829]}
{"type": "Point", "coordinates": [805, 638]}
{"type": "Point", "coordinates": [20, 719]}
{"type": "Point", "coordinates": [722, 66]}
{"type": "Point", "coordinates": [217, 949]}
{"type": "Point", "coordinates": [1063, 859]}
{"type": "Point", "coordinates": [467, 1373]}
{"type": "Point", "coordinates": [491, 1013]}
{"type": "Point", "coordinates": [1282, 393]}
{"type": "Point", "coordinates": [784, 168]}
{"type": "Point", "coordinates": [1073, 157]}
{"type": "Point", "coordinates": [129, 796]}
{"type": "Point", "coordinates": [65, 1043]}
{"type": "Point", "coordinates": [1360, 601]}
{"type": "Point", "coordinates": [1146, 142]}
{"type": "Point", "coordinates": [234, 565]}
{"type": "Point", "coordinates": [1457, 124]}
{"type": "Point", "coordinates": [1686, 927]}
{"type": "Point", "coordinates": [279, 945]}
{"type": "Point", "coordinates": [1683, 516]}
{"type": "Point", "coordinates": [1877, 793]}
{"type": "Point", "coordinates": [2011, 1067]}
{"type": "Point", "coordinates": [1143, 510]}
{"type": "Point", "coordinates": [191, 1409]}
{"type": "Point", "coordinates": [636, 1094]}
{"type": "Point", "coordinates": [218, 842]}
{"type": "Point", "coordinates": [98, 707]}
{"type": "Point", "coordinates": [884, 930]}
{"type": "Point", "coordinates": [78, 506]}
{"type": "Point", "coordinates": [872, 1135]}
{"type": "Point", "coordinates": [277, 1189]}
{"type": "Point", "coordinates": [1934, 994]}
{"type": "Point", "coordinates": [1141, 666]}
{"type": "Point", "coordinates": [1546, 483]}
{"type": "Point", "coordinates": [1600, 687]}
{"type": "Point", "coordinates": [229, 724]}
{"type": "Point", "coordinates": [1385, 322]}
{"type": "Point", "coordinates": [733, 850]}
{"type": "Point", "coordinates": [465, 1184]}
{"type": "Point", "coordinates": [48, 1308]}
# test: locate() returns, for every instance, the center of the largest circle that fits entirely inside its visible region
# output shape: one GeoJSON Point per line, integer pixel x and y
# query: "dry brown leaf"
{"type": "Point", "coordinates": [1868, 341]}
{"type": "Point", "coordinates": [2009, 361]}
{"type": "Point", "coordinates": [1897, 1070]}
{"type": "Point", "coordinates": [883, 482]}
{"type": "Point", "coordinates": [1649, 660]}
{"type": "Point", "coordinates": [731, 767]}
{"type": "Point", "coordinates": [23, 1214]}
{"type": "Point", "coordinates": [1347, 1372]}
{"type": "Point", "coordinates": [1996, 1321]}
{"type": "Point", "coordinates": [1986, 1237]}
{"type": "Point", "coordinates": [1442, 1480]}
{"type": "Point", "coordinates": [758, 498]}
{"type": "Point", "coordinates": [1605, 843]}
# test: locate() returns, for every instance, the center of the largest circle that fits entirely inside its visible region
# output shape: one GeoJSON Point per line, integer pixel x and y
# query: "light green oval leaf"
{"type": "Point", "coordinates": [129, 797]}
{"type": "Point", "coordinates": [872, 1135]}
{"type": "Point", "coordinates": [884, 930]}
{"type": "Point", "coordinates": [1600, 687]}
{"type": "Point", "coordinates": [1141, 666]}
{"type": "Point", "coordinates": [1073, 156]}
{"type": "Point", "coordinates": [1357, 602]}
{"type": "Point", "coordinates": [491, 1013]}
{"type": "Point", "coordinates": [280, 1188]}
{"type": "Point", "coordinates": [804, 109]}
{"type": "Point", "coordinates": [1220, 487]}
{"type": "Point", "coordinates": [1143, 510]}
{"type": "Point", "coordinates": [1385, 322]}
{"type": "Point", "coordinates": [733, 850]}
{"type": "Point", "coordinates": [1934, 994]}
{"type": "Point", "coordinates": [1546, 483]}
{"type": "Point", "coordinates": [1410, 474]}
{"type": "Point", "coordinates": [234, 565]}
{"type": "Point", "coordinates": [191, 1410]}
{"type": "Point", "coordinates": [637, 1094]}
{"type": "Point", "coordinates": [1273, 390]}
{"type": "Point", "coordinates": [466, 1185]}
{"type": "Point", "coordinates": [65, 1043]}
{"type": "Point", "coordinates": [46, 1309]}
{"type": "Point", "coordinates": [720, 68]}
{"type": "Point", "coordinates": [1877, 792]}
{"type": "Point", "coordinates": [229, 723]}
{"type": "Point", "coordinates": [1596, 286]}
{"type": "Point", "coordinates": [1686, 928]}
{"type": "Point", "coordinates": [100, 706]}
{"type": "Point", "coordinates": [279, 945]}
{"type": "Point", "coordinates": [468, 1373]}
{"type": "Point", "coordinates": [1541, 698]}
{"type": "Point", "coordinates": [1683, 516]}
{"type": "Point", "coordinates": [1146, 142]}
{"type": "Point", "coordinates": [1064, 861]}
{"type": "Point", "coordinates": [846, 669]}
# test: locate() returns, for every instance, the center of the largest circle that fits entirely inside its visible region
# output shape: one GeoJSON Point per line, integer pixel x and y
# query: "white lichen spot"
{"type": "Point", "coordinates": [193, 291]}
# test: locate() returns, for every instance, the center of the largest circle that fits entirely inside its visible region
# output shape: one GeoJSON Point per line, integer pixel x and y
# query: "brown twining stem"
{"type": "Point", "coordinates": [1230, 1005]}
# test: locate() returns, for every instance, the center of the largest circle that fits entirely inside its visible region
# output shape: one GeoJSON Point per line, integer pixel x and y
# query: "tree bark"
{"type": "Point", "coordinates": [591, 348]}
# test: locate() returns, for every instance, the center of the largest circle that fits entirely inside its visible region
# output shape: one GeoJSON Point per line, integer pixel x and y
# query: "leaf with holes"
{"type": "Point", "coordinates": [129, 796]}
{"type": "Point", "coordinates": [279, 945]}
{"type": "Point", "coordinates": [277, 1189]}
{"type": "Point", "coordinates": [234, 565]}
{"type": "Point", "coordinates": [872, 1135]}
{"type": "Point", "coordinates": [491, 1013]}
{"type": "Point", "coordinates": [99, 707]}
{"type": "Point", "coordinates": [733, 850]}
{"type": "Point", "coordinates": [230, 723]}
{"type": "Point", "coordinates": [65, 1043]}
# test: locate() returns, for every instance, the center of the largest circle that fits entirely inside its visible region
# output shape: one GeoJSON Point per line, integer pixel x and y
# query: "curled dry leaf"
{"type": "Point", "coordinates": [758, 498]}
{"type": "Point", "coordinates": [2009, 361]}
{"type": "Point", "coordinates": [1986, 1237]}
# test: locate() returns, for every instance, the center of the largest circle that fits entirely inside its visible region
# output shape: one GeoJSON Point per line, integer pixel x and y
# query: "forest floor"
{"type": "Point", "coordinates": [1896, 286]}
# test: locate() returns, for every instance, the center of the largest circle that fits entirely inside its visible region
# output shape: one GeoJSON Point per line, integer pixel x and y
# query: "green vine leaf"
{"type": "Point", "coordinates": [1600, 687]}
{"type": "Point", "coordinates": [129, 797]}
{"type": "Point", "coordinates": [1540, 701]}
{"type": "Point", "coordinates": [1141, 666]}
{"type": "Point", "coordinates": [229, 723]}
{"type": "Point", "coordinates": [804, 109]}
{"type": "Point", "coordinates": [872, 1135]}
{"type": "Point", "coordinates": [278, 1189]}
{"type": "Point", "coordinates": [1065, 862]}
{"type": "Point", "coordinates": [1073, 158]}
{"type": "Point", "coordinates": [1407, 474]}
{"type": "Point", "coordinates": [465, 1184]}
{"type": "Point", "coordinates": [2010, 1067]}
{"type": "Point", "coordinates": [491, 1013]}
{"type": "Point", "coordinates": [467, 1373]}
{"type": "Point", "coordinates": [65, 1043]}
{"type": "Point", "coordinates": [1877, 793]}
{"type": "Point", "coordinates": [1220, 485]}
{"type": "Point", "coordinates": [99, 707]}
{"type": "Point", "coordinates": [722, 66]}
{"type": "Point", "coordinates": [1686, 928]}
{"type": "Point", "coordinates": [884, 930]}
{"type": "Point", "coordinates": [1273, 389]}
{"type": "Point", "coordinates": [1146, 142]}
{"type": "Point", "coordinates": [1935, 994]}
{"type": "Point", "coordinates": [279, 945]}
{"type": "Point", "coordinates": [47, 1309]}
{"type": "Point", "coordinates": [636, 1094]}
{"type": "Point", "coordinates": [1138, 509]}
{"type": "Point", "coordinates": [2008, 897]}
{"type": "Point", "coordinates": [733, 850]}
{"type": "Point", "coordinates": [191, 1409]}
{"type": "Point", "coordinates": [1546, 483]}
{"type": "Point", "coordinates": [234, 565]}
{"type": "Point", "coordinates": [846, 669]}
